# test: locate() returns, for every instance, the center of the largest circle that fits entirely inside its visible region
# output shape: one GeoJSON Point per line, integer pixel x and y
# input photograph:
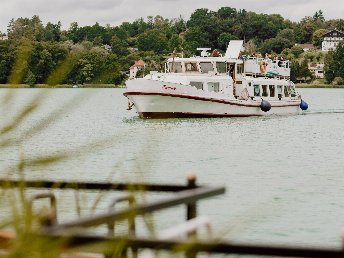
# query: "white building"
{"type": "Point", "coordinates": [331, 39]}
{"type": "Point", "coordinates": [306, 47]}
{"type": "Point", "coordinates": [139, 65]}
{"type": "Point", "coordinates": [3, 37]}
{"type": "Point", "coordinates": [317, 70]}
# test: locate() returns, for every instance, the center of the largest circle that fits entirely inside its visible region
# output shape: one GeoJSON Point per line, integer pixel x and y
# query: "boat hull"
{"type": "Point", "coordinates": [166, 105]}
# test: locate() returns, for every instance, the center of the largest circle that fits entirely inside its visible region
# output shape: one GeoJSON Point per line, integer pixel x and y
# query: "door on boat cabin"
{"type": "Point", "coordinates": [231, 70]}
{"type": "Point", "coordinates": [231, 73]}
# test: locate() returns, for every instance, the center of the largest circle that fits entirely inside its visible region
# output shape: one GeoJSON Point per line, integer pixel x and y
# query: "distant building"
{"type": "Point", "coordinates": [107, 47]}
{"type": "Point", "coordinates": [139, 65]}
{"type": "Point", "coordinates": [133, 49]}
{"type": "Point", "coordinates": [3, 37]}
{"type": "Point", "coordinates": [306, 47]}
{"type": "Point", "coordinates": [331, 40]}
{"type": "Point", "coordinates": [317, 70]}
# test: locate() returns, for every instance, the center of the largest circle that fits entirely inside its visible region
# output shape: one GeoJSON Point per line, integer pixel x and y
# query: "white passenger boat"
{"type": "Point", "coordinates": [216, 86]}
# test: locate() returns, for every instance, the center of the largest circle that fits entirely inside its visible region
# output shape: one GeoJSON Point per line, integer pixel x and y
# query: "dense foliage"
{"type": "Point", "coordinates": [102, 54]}
{"type": "Point", "coordinates": [334, 65]}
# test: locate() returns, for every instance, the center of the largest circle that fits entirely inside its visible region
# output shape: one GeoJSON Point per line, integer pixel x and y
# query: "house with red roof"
{"type": "Point", "coordinates": [139, 65]}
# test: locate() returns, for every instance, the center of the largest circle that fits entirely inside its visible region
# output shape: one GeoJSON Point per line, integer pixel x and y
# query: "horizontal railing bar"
{"type": "Point", "coordinates": [93, 186]}
{"type": "Point", "coordinates": [200, 246]}
{"type": "Point", "coordinates": [183, 197]}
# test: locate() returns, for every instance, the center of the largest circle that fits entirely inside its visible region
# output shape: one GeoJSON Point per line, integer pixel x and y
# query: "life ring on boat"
{"type": "Point", "coordinates": [263, 65]}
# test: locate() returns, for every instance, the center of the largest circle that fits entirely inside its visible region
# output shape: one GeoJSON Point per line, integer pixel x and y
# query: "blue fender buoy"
{"type": "Point", "coordinates": [265, 105]}
{"type": "Point", "coordinates": [303, 105]}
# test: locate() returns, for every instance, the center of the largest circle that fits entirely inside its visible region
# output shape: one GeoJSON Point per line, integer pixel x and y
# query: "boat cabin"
{"type": "Point", "coordinates": [236, 68]}
{"type": "Point", "coordinates": [201, 65]}
{"type": "Point", "coordinates": [239, 76]}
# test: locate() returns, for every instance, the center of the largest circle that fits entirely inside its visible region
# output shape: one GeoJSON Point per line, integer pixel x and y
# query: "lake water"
{"type": "Point", "coordinates": [284, 176]}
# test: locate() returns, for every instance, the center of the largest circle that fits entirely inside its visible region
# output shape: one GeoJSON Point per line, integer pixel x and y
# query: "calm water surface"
{"type": "Point", "coordinates": [284, 175]}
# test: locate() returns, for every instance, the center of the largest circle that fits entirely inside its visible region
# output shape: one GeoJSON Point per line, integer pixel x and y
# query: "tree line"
{"type": "Point", "coordinates": [36, 53]}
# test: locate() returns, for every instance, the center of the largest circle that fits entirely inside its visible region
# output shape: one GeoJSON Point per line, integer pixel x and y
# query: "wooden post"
{"type": "Point", "coordinates": [191, 213]}
{"type": "Point", "coordinates": [191, 207]}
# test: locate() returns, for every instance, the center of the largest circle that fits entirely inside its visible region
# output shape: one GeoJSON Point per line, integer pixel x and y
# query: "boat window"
{"type": "Point", "coordinates": [221, 67]}
{"type": "Point", "coordinates": [206, 67]}
{"type": "Point", "coordinates": [286, 91]}
{"type": "Point", "coordinates": [240, 68]}
{"type": "Point", "coordinates": [256, 88]}
{"type": "Point", "coordinates": [198, 85]}
{"type": "Point", "coordinates": [293, 91]}
{"type": "Point", "coordinates": [272, 90]}
{"type": "Point", "coordinates": [265, 90]}
{"type": "Point", "coordinates": [175, 67]}
{"type": "Point", "coordinates": [191, 67]}
{"type": "Point", "coordinates": [213, 86]}
{"type": "Point", "coordinates": [279, 91]}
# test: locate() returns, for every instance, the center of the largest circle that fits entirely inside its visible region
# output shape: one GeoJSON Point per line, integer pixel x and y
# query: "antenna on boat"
{"type": "Point", "coordinates": [204, 51]}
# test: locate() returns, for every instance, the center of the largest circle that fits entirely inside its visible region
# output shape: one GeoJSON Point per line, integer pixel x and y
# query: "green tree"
{"type": "Point", "coordinates": [7, 58]}
{"type": "Point", "coordinates": [275, 45]}
{"type": "Point", "coordinates": [175, 43]}
{"type": "Point", "coordinates": [194, 38]}
{"type": "Point", "coordinates": [52, 32]}
{"type": "Point", "coordinates": [329, 67]}
{"type": "Point", "coordinates": [319, 16]}
{"type": "Point", "coordinates": [224, 38]}
{"type": "Point", "coordinates": [296, 51]}
{"type": "Point", "coordinates": [287, 34]}
{"type": "Point", "coordinates": [119, 46]}
{"type": "Point", "coordinates": [304, 71]}
{"type": "Point", "coordinates": [26, 28]}
{"type": "Point", "coordinates": [30, 78]}
{"type": "Point", "coordinates": [317, 37]}
{"type": "Point", "coordinates": [294, 70]}
{"type": "Point", "coordinates": [154, 40]}
{"type": "Point", "coordinates": [305, 29]}
{"type": "Point", "coordinates": [227, 13]}
{"type": "Point", "coordinates": [334, 63]}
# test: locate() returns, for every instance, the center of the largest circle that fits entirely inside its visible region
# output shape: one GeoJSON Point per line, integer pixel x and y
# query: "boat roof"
{"type": "Point", "coordinates": [205, 59]}
{"type": "Point", "coordinates": [234, 48]}
{"type": "Point", "coordinates": [232, 54]}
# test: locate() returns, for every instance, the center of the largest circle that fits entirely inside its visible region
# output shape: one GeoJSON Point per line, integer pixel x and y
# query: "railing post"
{"type": "Point", "coordinates": [191, 213]}
{"type": "Point", "coordinates": [191, 207]}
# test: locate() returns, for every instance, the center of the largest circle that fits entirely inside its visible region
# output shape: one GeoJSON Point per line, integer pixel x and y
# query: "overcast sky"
{"type": "Point", "coordinates": [113, 12]}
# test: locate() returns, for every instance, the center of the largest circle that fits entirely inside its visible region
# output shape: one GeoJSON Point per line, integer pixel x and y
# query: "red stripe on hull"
{"type": "Point", "coordinates": [205, 99]}
{"type": "Point", "coordinates": [188, 115]}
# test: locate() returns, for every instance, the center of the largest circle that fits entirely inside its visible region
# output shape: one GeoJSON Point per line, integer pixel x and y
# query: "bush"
{"type": "Point", "coordinates": [338, 81]}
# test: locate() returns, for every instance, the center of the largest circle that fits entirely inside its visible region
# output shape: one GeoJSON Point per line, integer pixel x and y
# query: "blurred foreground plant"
{"type": "Point", "coordinates": [17, 214]}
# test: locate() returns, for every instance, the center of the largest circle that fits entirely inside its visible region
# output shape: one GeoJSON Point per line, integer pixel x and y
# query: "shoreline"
{"type": "Point", "coordinates": [89, 86]}
{"type": "Point", "coordinates": [60, 86]}
{"type": "Point", "coordinates": [318, 86]}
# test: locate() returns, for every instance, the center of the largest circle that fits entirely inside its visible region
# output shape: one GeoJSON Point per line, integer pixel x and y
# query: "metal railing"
{"type": "Point", "coordinates": [187, 195]}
